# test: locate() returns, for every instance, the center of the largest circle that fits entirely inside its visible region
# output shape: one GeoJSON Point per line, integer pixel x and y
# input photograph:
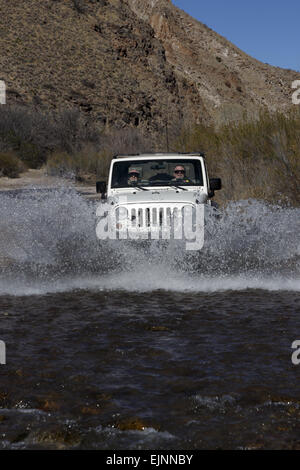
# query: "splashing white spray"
{"type": "Point", "coordinates": [48, 244]}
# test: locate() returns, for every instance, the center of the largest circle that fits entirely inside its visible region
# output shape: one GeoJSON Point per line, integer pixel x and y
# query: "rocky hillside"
{"type": "Point", "coordinates": [95, 55]}
{"type": "Point", "coordinates": [228, 81]}
{"type": "Point", "coordinates": [137, 63]}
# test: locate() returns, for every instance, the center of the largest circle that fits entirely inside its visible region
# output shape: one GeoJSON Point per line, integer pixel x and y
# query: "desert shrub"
{"type": "Point", "coordinates": [93, 160]}
{"type": "Point", "coordinates": [85, 165]}
{"type": "Point", "coordinates": [61, 164]}
{"type": "Point", "coordinates": [29, 153]}
{"type": "Point", "coordinates": [257, 159]}
{"type": "Point", "coordinates": [34, 134]}
{"type": "Point", "coordinates": [23, 131]}
{"type": "Point", "coordinates": [10, 165]}
{"type": "Point", "coordinates": [71, 132]}
{"type": "Point", "coordinates": [90, 161]}
{"type": "Point", "coordinates": [127, 141]}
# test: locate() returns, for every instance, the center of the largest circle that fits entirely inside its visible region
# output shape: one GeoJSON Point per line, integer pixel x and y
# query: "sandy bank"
{"type": "Point", "coordinates": [39, 179]}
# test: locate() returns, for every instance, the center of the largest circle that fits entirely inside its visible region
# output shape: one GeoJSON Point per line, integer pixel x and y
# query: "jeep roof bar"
{"type": "Point", "coordinates": [122, 155]}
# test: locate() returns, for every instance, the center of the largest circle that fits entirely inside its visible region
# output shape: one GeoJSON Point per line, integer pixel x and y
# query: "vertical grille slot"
{"type": "Point", "coordinates": [154, 216]}
{"type": "Point", "coordinates": [147, 217]}
{"type": "Point", "coordinates": [133, 218]}
{"type": "Point", "coordinates": [140, 218]}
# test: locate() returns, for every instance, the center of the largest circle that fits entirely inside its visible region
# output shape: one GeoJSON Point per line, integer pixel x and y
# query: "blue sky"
{"type": "Point", "coordinates": [268, 30]}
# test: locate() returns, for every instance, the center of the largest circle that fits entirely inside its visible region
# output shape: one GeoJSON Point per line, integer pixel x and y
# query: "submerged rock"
{"type": "Point", "coordinates": [58, 437]}
{"type": "Point", "coordinates": [131, 424]}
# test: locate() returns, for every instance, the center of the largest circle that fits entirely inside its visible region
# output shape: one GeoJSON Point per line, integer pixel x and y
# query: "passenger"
{"type": "Point", "coordinates": [179, 175]}
{"type": "Point", "coordinates": [133, 177]}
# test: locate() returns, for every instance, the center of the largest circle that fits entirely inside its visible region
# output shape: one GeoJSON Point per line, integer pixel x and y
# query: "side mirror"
{"type": "Point", "coordinates": [215, 184]}
{"type": "Point", "coordinates": [101, 188]}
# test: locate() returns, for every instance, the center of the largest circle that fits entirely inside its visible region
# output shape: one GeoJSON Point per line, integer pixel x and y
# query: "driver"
{"type": "Point", "coordinates": [133, 176]}
{"type": "Point", "coordinates": [179, 175]}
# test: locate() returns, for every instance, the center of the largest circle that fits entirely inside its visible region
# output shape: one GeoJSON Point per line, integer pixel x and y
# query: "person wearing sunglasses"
{"type": "Point", "coordinates": [179, 175]}
{"type": "Point", "coordinates": [133, 176]}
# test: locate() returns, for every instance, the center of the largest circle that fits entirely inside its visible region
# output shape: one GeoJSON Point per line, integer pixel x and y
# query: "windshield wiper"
{"type": "Point", "coordinates": [180, 187]}
{"type": "Point", "coordinates": [141, 187]}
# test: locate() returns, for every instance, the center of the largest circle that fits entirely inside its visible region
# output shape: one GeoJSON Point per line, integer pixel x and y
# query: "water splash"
{"type": "Point", "coordinates": [48, 243]}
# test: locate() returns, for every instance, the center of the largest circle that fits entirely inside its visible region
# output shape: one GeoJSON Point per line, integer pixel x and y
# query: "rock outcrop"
{"type": "Point", "coordinates": [229, 82]}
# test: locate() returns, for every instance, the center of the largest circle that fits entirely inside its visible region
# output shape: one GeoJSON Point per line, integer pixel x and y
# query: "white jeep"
{"type": "Point", "coordinates": [145, 191]}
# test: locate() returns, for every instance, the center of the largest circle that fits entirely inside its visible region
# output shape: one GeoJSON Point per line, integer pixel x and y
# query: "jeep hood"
{"type": "Point", "coordinates": [160, 197]}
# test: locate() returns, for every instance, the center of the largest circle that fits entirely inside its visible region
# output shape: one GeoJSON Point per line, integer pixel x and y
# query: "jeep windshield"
{"type": "Point", "coordinates": [144, 173]}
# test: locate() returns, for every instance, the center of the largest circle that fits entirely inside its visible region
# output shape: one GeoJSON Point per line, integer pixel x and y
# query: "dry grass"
{"type": "Point", "coordinates": [85, 165]}
{"type": "Point", "coordinates": [259, 159]}
{"type": "Point", "coordinates": [93, 161]}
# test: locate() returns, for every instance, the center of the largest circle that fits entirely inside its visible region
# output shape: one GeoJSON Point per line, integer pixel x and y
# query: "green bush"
{"type": "Point", "coordinates": [10, 165]}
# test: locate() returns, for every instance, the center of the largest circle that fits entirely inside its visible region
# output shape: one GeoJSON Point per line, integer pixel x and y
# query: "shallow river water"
{"type": "Point", "coordinates": [147, 347]}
